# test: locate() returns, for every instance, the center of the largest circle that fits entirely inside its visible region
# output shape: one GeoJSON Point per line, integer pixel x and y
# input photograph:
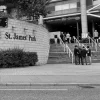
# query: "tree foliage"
{"type": "Point", "coordinates": [30, 7]}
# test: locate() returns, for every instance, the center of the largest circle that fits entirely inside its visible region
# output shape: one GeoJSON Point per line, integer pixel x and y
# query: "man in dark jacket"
{"type": "Point", "coordinates": [84, 54]}
{"type": "Point", "coordinates": [89, 54]}
{"type": "Point", "coordinates": [76, 52]}
{"type": "Point", "coordinates": [80, 56]}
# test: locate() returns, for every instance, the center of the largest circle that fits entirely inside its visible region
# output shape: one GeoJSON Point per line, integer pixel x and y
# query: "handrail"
{"type": "Point", "coordinates": [95, 44]}
{"type": "Point", "coordinates": [77, 41]}
{"type": "Point", "coordinates": [67, 49]}
{"type": "Point", "coordinates": [80, 44]}
{"type": "Point", "coordinates": [63, 44]}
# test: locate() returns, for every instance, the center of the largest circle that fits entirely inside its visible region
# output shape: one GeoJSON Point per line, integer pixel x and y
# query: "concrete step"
{"type": "Point", "coordinates": [58, 54]}
{"type": "Point", "coordinates": [58, 57]}
{"type": "Point", "coordinates": [56, 50]}
{"type": "Point", "coordinates": [59, 61]}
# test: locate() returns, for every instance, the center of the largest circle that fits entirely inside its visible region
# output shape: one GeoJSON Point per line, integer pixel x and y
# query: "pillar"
{"type": "Point", "coordinates": [77, 30]}
{"type": "Point", "coordinates": [40, 20]}
{"type": "Point", "coordinates": [84, 19]}
{"type": "Point", "coordinates": [93, 28]}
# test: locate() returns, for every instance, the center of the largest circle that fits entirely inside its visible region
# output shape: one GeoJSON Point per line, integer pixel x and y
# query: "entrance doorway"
{"type": "Point", "coordinates": [93, 24]}
{"type": "Point", "coordinates": [68, 25]}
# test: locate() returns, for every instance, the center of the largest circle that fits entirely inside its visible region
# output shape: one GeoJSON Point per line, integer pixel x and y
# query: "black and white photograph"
{"type": "Point", "coordinates": [49, 49]}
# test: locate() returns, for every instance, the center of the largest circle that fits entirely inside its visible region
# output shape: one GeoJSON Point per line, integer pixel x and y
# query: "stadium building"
{"type": "Point", "coordinates": [78, 17]}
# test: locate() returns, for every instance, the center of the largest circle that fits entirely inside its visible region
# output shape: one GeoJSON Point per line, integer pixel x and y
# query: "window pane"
{"type": "Point", "coordinates": [65, 6]}
{"type": "Point", "coordinates": [57, 8]}
{"type": "Point", "coordinates": [95, 2]}
{"type": "Point", "coordinates": [73, 5]}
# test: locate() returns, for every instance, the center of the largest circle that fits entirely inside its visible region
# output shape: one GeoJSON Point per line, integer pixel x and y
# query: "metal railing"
{"type": "Point", "coordinates": [80, 44]}
{"type": "Point", "coordinates": [93, 42]}
{"type": "Point", "coordinates": [67, 50]}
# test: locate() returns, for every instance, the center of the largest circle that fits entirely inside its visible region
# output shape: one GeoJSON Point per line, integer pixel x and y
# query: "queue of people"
{"type": "Point", "coordinates": [81, 54]}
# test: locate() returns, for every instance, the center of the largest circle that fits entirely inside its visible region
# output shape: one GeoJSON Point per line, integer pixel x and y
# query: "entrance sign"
{"type": "Point", "coordinates": [34, 39]}
{"type": "Point", "coordinates": [20, 37]}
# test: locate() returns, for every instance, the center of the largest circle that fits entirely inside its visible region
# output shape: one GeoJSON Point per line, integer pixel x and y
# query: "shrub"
{"type": "Point", "coordinates": [17, 58]}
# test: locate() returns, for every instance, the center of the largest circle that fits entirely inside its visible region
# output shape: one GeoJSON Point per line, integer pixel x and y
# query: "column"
{"type": "Point", "coordinates": [93, 28]}
{"type": "Point", "coordinates": [84, 19]}
{"type": "Point", "coordinates": [77, 31]}
{"type": "Point", "coordinates": [40, 20]}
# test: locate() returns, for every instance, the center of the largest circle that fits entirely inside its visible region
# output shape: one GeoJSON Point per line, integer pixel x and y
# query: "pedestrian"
{"type": "Point", "coordinates": [89, 54]}
{"type": "Point", "coordinates": [61, 36]}
{"type": "Point", "coordinates": [76, 52]}
{"type": "Point", "coordinates": [74, 38]}
{"type": "Point", "coordinates": [96, 35]}
{"type": "Point", "coordinates": [80, 55]}
{"type": "Point", "coordinates": [84, 54]}
{"type": "Point", "coordinates": [68, 37]}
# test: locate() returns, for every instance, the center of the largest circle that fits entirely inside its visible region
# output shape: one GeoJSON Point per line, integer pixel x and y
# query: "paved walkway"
{"type": "Point", "coordinates": [52, 74]}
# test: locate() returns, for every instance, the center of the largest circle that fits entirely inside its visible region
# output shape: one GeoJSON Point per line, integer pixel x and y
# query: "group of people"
{"type": "Point", "coordinates": [81, 54]}
{"type": "Point", "coordinates": [67, 38]}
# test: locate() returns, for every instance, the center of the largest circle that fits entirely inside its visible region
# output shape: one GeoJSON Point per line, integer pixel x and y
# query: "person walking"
{"type": "Point", "coordinates": [76, 52]}
{"type": "Point", "coordinates": [84, 54]}
{"type": "Point", "coordinates": [89, 54]}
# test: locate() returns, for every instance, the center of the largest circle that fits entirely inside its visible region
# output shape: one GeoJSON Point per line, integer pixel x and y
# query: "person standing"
{"type": "Point", "coordinates": [96, 35]}
{"type": "Point", "coordinates": [61, 36]}
{"type": "Point", "coordinates": [80, 55]}
{"type": "Point", "coordinates": [89, 54]}
{"type": "Point", "coordinates": [76, 52]}
{"type": "Point", "coordinates": [74, 38]}
{"type": "Point", "coordinates": [84, 54]}
{"type": "Point", "coordinates": [68, 37]}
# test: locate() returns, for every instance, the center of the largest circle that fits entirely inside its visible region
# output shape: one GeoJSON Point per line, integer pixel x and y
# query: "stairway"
{"type": "Point", "coordinates": [57, 55]}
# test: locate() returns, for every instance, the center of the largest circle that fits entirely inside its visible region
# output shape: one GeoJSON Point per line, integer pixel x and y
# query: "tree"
{"type": "Point", "coordinates": [30, 8]}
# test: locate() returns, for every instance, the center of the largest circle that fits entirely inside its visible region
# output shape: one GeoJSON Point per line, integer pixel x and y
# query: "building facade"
{"type": "Point", "coordinates": [68, 16]}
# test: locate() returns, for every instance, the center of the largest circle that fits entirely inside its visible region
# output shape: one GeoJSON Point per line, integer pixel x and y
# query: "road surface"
{"type": "Point", "coordinates": [78, 92]}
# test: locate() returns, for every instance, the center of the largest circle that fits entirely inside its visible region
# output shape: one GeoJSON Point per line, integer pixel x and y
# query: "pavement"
{"type": "Point", "coordinates": [51, 74]}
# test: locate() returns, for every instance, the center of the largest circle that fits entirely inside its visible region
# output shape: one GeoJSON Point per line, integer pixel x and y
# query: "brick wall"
{"type": "Point", "coordinates": [31, 37]}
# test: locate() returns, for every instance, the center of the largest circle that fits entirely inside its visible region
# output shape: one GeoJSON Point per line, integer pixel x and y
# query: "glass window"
{"type": "Point", "coordinates": [73, 5]}
{"type": "Point", "coordinates": [95, 2]}
{"type": "Point", "coordinates": [58, 7]}
{"type": "Point", "coordinates": [65, 6]}
{"type": "Point", "coordinates": [61, 7]}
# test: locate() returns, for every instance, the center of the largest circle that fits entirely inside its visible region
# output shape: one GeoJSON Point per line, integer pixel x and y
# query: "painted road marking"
{"type": "Point", "coordinates": [33, 89]}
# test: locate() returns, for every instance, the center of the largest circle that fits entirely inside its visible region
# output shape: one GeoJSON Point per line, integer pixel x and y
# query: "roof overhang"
{"type": "Point", "coordinates": [60, 16]}
{"type": "Point", "coordinates": [89, 12]}
{"type": "Point", "coordinates": [68, 15]}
